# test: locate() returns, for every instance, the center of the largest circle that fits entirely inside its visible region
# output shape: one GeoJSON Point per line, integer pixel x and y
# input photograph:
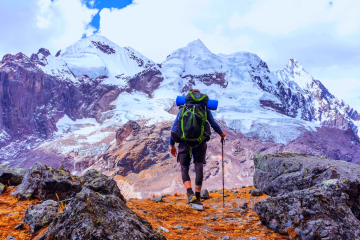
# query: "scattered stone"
{"type": "Point", "coordinates": [252, 238]}
{"type": "Point", "coordinates": [179, 227]}
{"type": "Point", "coordinates": [163, 229]}
{"type": "Point", "coordinates": [39, 215]}
{"type": "Point", "coordinates": [255, 192]}
{"type": "Point", "coordinates": [164, 196]}
{"type": "Point", "coordinates": [172, 202]}
{"type": "Point", "coordinates": [10, 237]}
{"type": "Point", "coordinates": [236, 191]}
{"type": "Point", "coordinates": [210, 218]}
{"type": "Point", "coordinates": [204, 194]}
{"type": "Point", "coordinates": [234, 195]}
{"type": "Point", "coordinates": [213, 191]}
{"type": "Point", "coordinates": [10, 176]}
{"type": "Point", "coordinates": [244, 205]}
{"type": "Point", "coordinates": [197, 206]}
{"type": "Point", "coordinates": [8, 215]}
{"type": "Point", "coordinates": [225, 238]}
{"type": "Point", "coordinates": [215, 200]}
{"type": "Point", "coordinates": [20, 226]}
{"type": "Point", "coordinates": [91, 215]}
{"type": "Point", "coordinates": [157, 199]}
{"type": "Point", "coordinates": [227, 195]}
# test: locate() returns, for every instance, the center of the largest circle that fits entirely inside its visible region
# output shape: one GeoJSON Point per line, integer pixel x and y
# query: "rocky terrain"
{"type": "Point", "coordinates": [311, 197]}
{"type": "Point", "coordinates": [99, 212]}
{"type": "Point", "coordinates": [90, 207]}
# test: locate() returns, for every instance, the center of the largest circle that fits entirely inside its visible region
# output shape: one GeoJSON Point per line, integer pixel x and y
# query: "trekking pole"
{"type": "Point", "coordinates": [222, 158]}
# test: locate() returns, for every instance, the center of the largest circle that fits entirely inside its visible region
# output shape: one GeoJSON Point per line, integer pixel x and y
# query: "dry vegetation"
{"type": "Point", "coordinates": [12, 212]}
{"type": "Point", "coordinates": [228, 222]}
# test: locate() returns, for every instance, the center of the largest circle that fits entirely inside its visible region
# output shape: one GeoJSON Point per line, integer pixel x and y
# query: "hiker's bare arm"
{"type": "Point", "coordinates": [173, 150]}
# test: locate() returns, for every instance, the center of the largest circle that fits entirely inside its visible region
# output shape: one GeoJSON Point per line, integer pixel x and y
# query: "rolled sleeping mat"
{"type": "Point", "coordinates": [180, 100]}
{"type": "Point", "coordinates": [212, 104]}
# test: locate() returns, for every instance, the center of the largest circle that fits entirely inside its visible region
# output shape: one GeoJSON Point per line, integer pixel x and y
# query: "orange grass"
{"type": "Point", "coordinates": [10, 205]}
{"type": "Point", "coordinates": [228, 222]}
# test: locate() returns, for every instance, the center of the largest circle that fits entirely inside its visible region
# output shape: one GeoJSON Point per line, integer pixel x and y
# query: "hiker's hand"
{"type": "Point", "coordinates": [173, 150]}
{"type": "Point", "coordinates": [223, 134]}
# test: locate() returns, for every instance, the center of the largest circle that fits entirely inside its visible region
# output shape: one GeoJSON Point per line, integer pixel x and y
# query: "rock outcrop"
{"type": "Point", "coordinates": [48, 182]}
{"type": "Point", "coordinates": [91, 215]}
{"type": "Point", "coordinates": [312, 197]}
{"type": "Point", "coordinates": [59, 185]}
{"type": "Point", "coordinates": [10, 176]}
{"type": "Point", "coordinates": [39, 215]}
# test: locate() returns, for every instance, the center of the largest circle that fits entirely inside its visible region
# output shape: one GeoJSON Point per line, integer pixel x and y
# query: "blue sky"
{"type": "Point", "coordinates": [323, 35]}
{"type": "Point", "coordinates": [110, 4]}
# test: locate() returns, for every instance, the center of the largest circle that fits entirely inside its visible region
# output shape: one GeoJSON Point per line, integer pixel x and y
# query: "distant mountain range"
{"type": "Point", "coordinates": [71, 108]}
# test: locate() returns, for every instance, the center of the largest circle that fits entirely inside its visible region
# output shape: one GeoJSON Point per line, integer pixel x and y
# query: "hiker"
{"type": "Point", "coordinates": [192, 139]}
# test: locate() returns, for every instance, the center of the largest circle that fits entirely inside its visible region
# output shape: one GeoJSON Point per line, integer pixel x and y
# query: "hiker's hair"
{"type": "Point", "coordinates": [195, 90]}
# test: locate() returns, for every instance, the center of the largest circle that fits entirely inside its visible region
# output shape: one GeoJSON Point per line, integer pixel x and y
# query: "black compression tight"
{"type": "Point", "coordinates": [198, 170]}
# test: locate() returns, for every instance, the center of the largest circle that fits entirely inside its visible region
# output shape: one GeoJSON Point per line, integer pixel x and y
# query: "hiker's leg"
{"type": "Point", "coordinates": [199, 178]}
{"type": "Point", "coordinates": [199, 159]}
{"type": "Point", "coordinates": [184, 159]}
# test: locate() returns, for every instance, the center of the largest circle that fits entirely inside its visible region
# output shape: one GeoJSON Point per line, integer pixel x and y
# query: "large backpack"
{"type": "Point", "coordinates": [192, 122]}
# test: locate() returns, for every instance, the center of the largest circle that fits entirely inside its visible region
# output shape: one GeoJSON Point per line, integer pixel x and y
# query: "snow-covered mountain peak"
{"type": "Point", "coordinates": [295, 75]}
{"type": "Point", "coordinates": [96, 57]}
{"type": "Point", "coordinates": [197, 47]}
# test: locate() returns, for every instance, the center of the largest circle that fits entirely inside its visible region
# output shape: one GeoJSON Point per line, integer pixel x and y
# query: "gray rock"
{"type": "Point", "coordinates": [197, 206]}
{"type": "Point", "coordinates": [8, 215]}
{"type": "Point", "coordinates": [91, 215]}
{"type": "Point", "coordinates": [227, 195]}
{"type": "Point", "coordinates": [163, 229]}
{"type": "Point", "coordinates": [255, 192]}
{"type": "Point", "coordinates": [316, 196]}
{"type": "Point", "coordinates": [2, 188]}
{"type": "Point", "coordinates": [252, 238]}
{"type": "Point", "coordinates": [20, 226]}
{"type": "Point", "coordinates": [213, 191]}
{"type": "Point", "coordinates": [179, 227]}
{"type": "Point", "coordinates": [39, 215]}
{"type": "Point", "coordinates": [210, 218]}
{"type": "Point", "coordinates": [285, 172]}
{"type": "Point", "coordinates": [172, 203]}
{"type": "Point", "coordinates": [100, 183]}
{"type": "Point", "coordinates": [215, 200]}
{"type": "Point", "coordinates": [10, 176]}
{"type": "Point", "coordinates": [157, 199]}
{"type": "Point", "coordinates": [10, 237]}
{"type": "Point", "coordinates": [204, 194]}
{"type": "Point", "coordinates": [225, 238]}
{"type": "Point", "coordinates": [48, 182]}
{"type": "Point", "coordinates": [244, 205]}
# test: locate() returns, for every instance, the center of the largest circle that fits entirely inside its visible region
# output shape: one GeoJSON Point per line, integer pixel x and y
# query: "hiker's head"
{"type": "Point", "coordinates": [195, 90]}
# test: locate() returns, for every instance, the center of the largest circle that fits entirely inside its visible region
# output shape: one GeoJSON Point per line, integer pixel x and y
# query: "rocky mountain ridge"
{"type": "Point", "coordinates": [66, 109]}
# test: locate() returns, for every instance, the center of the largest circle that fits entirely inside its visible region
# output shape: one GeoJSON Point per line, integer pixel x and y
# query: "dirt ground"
{"type": "Point", "coordinates": [223, 222]}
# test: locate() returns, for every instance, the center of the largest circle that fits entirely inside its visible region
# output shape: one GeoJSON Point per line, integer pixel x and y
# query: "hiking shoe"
{"type": "Point", "coordinates": [191, 199]}
{"type": "Point", "coordinates": [198, 202]}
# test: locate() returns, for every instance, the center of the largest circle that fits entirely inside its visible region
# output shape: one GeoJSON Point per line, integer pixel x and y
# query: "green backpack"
{"type": "Point", "coordinates": [192, 123]}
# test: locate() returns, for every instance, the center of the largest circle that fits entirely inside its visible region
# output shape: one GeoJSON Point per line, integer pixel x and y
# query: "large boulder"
{"type": "Point", "coordinates": [91, 215]}
{"type": "Point", "coordinates": [39, 215]}
{"type": "Point", "coordinates": [322, 212]}
{"type": "Point", "coordinates": [285, 172]}
{"type": "Point", "coordinates": [10, 176]}
{"type": "Point", "coordinates": [313, 197]}
{"type": "Point", "coordinates": [48, 182]}
{"type": "Point", "coordinates": [99, 182]}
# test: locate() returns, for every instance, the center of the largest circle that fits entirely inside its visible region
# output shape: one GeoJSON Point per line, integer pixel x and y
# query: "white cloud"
{"type": "Point", "coordinates": [27, 25]}
{"type": "Point", "coordinates": [284, 16]}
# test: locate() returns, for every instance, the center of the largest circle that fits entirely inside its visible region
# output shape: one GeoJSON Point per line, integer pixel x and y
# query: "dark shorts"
{"type": "Point", "coordinates": [199, 153]}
